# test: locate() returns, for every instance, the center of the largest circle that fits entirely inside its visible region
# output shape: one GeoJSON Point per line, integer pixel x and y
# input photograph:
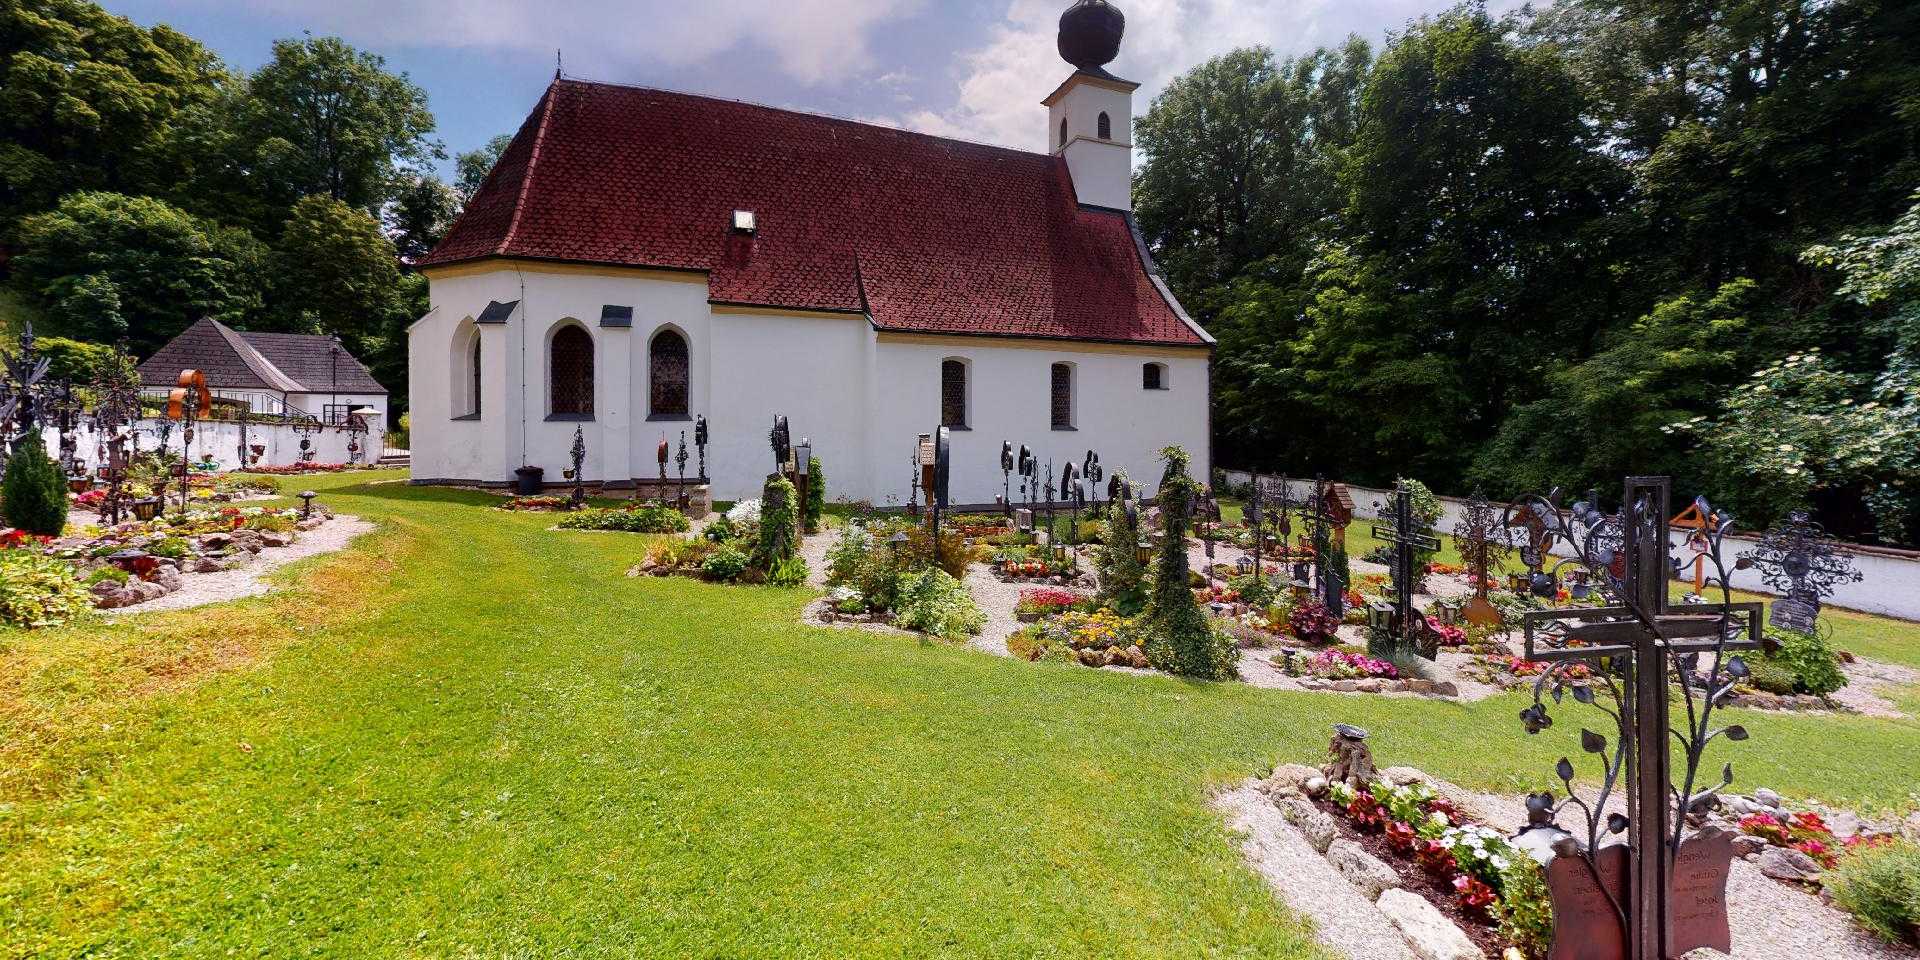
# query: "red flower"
{"type": "Point", "coordinates": [1435, 857]}
{"type": "Point", "coordinates": [1401, 836]}
{"type": "Point", "coordinates": [1474, 895]}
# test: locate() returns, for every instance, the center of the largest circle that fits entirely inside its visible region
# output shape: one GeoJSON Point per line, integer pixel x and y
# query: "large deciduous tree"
{"type": "Point", "coordinates": [109, 266]}
{"type": "Point", "coordinates": [324, 118]}
{"type": "Point", "coordinates": [88, 99]}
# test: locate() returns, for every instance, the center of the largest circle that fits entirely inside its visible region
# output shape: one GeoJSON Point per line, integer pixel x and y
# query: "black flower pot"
{"type": "Point", "coordinates": [528, 480]}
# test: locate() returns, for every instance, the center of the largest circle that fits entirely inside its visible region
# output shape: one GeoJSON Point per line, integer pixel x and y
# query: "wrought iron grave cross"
{"type": "Point", "coordinates": [1663, 893]}
{"type": "Point", "coordinates": [1405, 537]}
{"type": "Point", "coordinates": [1474, 534]}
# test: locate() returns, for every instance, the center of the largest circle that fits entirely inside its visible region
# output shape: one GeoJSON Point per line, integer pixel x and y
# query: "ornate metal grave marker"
{"type": "Point", "coordinates": [780, 439]}
{"type": "Point", "coordinates": [578, 473]}
{"type": "Point", "coordinates": [1799, 561]}
{"type": "Point", "coordinates": [700, 441]}
{"type": "Point", "coordinates": [1006, 478]}
{"type": "Point", "coordinates": [680, 467]}
{"type": "Point", "coordinates": [1408, 627]}
{"type": "Point", "coordinates": [1664, 892]}
{"type": "Point", "coordinates": [117, 406]}
{"type": "Point", "coordinates": [1475, 535]}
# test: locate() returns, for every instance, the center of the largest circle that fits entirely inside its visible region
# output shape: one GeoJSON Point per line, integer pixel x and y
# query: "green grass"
{"type": "Point", "coordinates": [468, 735]}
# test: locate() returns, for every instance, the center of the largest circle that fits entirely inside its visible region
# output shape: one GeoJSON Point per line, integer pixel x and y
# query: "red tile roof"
{"type": "Point", "coordinates": [929, 234]}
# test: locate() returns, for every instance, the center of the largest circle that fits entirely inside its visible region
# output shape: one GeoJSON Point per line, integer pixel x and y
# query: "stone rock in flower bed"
{"type": "Point", "coordinates": [1428, 931]}
{"type": "Point", "coordinates": [1791, 866]}
{"type": "Point", "coordinates": [1313, 823]}
{"type": "Point", "coordinates": [1362, 869]}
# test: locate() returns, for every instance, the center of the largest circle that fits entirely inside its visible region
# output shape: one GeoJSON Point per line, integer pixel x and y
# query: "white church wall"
{"type": "Point", "coordinates": [861, 397]}
{"type": "Point", "coordinates": [1009, 388]}
{"type": "Point", "coordinates": [811, 369]}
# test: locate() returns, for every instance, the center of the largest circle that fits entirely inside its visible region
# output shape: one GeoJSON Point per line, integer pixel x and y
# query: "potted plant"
{"type": "Point", "coordinates": [528, 480]}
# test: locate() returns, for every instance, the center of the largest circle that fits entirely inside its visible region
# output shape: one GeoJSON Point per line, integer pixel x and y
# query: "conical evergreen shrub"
{"type": "Point", "coordinates": [35, 493]}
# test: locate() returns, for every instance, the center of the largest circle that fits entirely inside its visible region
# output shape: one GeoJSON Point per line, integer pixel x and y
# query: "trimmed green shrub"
{"type": "Point", "coordinates": [933, 602]}
{"type": "Point", "coordinates": [1770, 677]}
{"type": "Point", "coordinates": [1123, 579]}
{"type": "Point", "coordinates": [650, 518]}
{"type": "Point", "coordinates": [1806, 656]}
{"type": "Point", "coordinates": [1881, 888]}
{"type": "Point", "coordinates": [779, 527]}
{"type": "Point", "coordinates": [35, 492]}
{"type": "Point", "coordinates": [816, 505]}
{"type": "Point", "coordinates": [40, 591]}
{"type": "Point", "coordinates": [1180, 637]}
{"type": "Point", "coordinates": [724, 563]}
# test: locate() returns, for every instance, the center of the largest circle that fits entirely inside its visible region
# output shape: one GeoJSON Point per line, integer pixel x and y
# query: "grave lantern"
{"type": "Point", "coordinates": [1243, 566]}
{"type": "Point", "coordinates": [1380, 615]}
{"type": "Point", "coordinates": [146, 508]}
{"type": "Point", "coordinates": [306, 502]}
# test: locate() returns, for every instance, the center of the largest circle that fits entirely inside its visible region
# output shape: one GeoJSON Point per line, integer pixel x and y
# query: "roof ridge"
{"type": "Point", "coordinates": [809, 114]}
{"type": "Point", "coordinates": [533, 162]}
{"type": "Point", "coordinates": [249, 353]}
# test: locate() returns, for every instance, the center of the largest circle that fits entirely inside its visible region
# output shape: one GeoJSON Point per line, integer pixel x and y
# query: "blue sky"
{"type": "Point", "coordinates": [975, 70]}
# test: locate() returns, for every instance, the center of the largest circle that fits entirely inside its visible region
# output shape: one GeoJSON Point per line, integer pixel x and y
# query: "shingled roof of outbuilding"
{"type": "Point", "coordinates": [924, 234]}
{"type": "Point", "coordinates": [245, 360]}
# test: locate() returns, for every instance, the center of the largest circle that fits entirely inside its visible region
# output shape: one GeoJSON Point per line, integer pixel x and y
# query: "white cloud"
{"type": "Point", "coordinates": [1001, 82]}
{"type": "Point", "coordinates": [812, 41]}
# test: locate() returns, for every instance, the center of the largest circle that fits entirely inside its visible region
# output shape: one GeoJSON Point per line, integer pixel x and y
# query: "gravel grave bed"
{"type": "Point", "coordinates": [200, 589]}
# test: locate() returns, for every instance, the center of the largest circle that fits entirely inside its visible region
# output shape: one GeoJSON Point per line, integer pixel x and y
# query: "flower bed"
{"type": "Point", "coordinates": [296, 469]}
{"type": "Point", "coordinates": [1045, 602]}
{"type": "Point", "coordinates": [536, 503]}
{"type": "Point", "coordinates": [634, 518]}
{"type": "Point", "coordinates": [1097, 639]}
{"type": "Point", "coordinates": [1496, 893]}
{"type": "Point", "coordinates": [1337, 665]}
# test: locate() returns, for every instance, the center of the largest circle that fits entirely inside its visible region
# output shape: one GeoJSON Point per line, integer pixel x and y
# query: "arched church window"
{"type": "Point", "coordinates": [1106, 126]}
{"type": "Point", "coordinates": [1062, 393]}
{"type": "Point", "coordinates": [473, 377]}
{"type": "Point", "coordinates": [1153, 376]}
{"type": "Point", "coordinates": [953, 393]}
{"type": "Point", "coordinates": [1063, 131]}
{"type": "Point", "coordinates": [571, 373]}
{"type": "Point", "coordinates": [667, 377]}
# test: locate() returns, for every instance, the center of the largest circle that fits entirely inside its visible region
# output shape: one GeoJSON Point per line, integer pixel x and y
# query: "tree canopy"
{"type": "Point", "coordinates": [1525, 251]}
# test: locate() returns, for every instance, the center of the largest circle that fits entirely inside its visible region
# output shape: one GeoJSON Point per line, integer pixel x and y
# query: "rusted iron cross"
{"type": "Point", "coordinates": [1405, 538]}
{"type": "Point", "coordinates": [1671, 902]}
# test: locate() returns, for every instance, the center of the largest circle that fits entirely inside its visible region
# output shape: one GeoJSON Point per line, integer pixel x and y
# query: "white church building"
{"type": "Point", "coordinates": [638, 258]}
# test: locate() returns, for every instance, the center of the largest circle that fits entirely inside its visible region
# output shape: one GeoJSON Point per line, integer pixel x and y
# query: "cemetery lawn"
{"type": "Point", "coordinates": [470, 735]}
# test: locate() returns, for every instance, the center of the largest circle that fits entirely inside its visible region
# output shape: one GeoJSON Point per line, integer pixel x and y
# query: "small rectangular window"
{"type": "Point", "coordinates": [1151, 377]}
{"type": "Point", "coordinates": [1062, 396]}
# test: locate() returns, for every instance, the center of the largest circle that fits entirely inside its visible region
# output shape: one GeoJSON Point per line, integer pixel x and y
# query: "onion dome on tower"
{"type": "Point", "coordinates": [1090, 34]}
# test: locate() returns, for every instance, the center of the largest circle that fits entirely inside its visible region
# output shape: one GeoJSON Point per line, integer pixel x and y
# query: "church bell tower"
{"type": "Point", "coordinates": [1090, 116]}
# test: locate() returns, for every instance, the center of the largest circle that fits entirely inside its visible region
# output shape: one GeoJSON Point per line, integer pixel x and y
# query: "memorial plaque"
{"type": "Point", "coordinates": [1587, 927]}
{"type": "Point", "coordinates": [1794, 613]}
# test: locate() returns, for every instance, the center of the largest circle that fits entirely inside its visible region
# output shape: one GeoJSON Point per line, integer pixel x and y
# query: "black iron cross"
{"type": "Point", "coordinates": [1405, 538]}
{"type": "Point", "coordinates": [1647, 897]}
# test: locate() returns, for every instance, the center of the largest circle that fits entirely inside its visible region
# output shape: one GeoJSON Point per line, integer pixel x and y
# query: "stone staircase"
{"type": "Point", "coordinates": [396, 459]}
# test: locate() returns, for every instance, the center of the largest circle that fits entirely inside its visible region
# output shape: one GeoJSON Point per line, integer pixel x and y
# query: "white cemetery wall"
{"type": "Point", "coordinates": [220, 439]}
{"type": "Point", "coordinates": [1890, 583]}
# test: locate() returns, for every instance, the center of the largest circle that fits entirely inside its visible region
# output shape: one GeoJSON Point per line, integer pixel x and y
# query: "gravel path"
{"type": "Point", "coordinates": [1865, 680]}
{"type": "Point", "coordinates": [997, 599]}
{"type": "Point", "coordinates": [1306, 882]}
{"type": "Point", "coordinates": [250, 581]}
